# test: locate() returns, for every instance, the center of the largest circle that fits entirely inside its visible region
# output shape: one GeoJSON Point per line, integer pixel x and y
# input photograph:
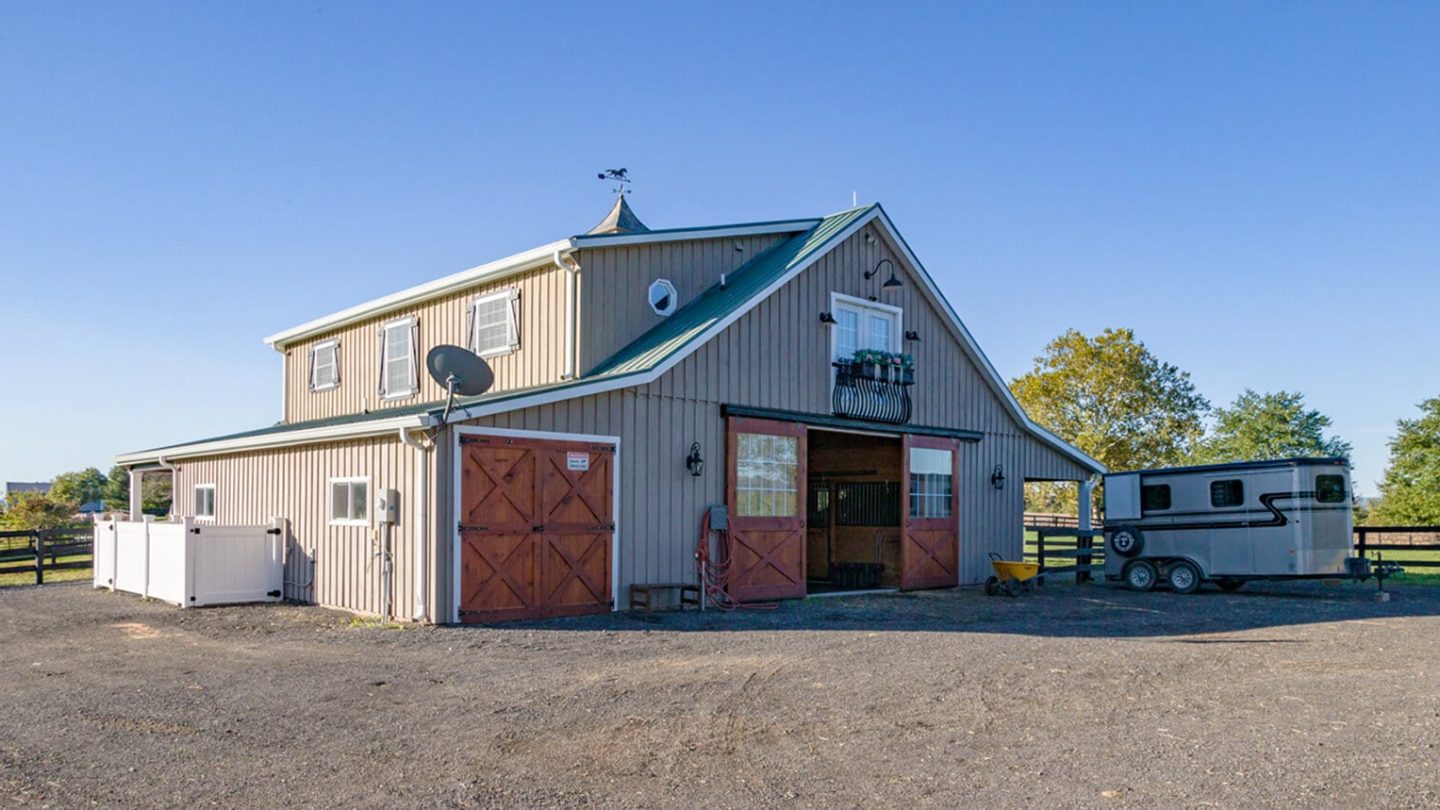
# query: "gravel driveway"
{"type": "Point", "coordinates": [1079, 696]}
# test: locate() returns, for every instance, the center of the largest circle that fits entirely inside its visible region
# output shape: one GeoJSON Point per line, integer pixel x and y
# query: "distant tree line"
{"type": "Point", "coordinates": [1111, 397]}
{"type": "Point", "coordinates": [69, 491]}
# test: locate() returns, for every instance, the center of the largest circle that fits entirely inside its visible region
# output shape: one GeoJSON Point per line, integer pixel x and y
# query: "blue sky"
{"type": "Point", "coordinates": [1254, 188]}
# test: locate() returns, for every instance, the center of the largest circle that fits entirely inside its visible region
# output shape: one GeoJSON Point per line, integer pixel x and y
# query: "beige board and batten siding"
{"type": "Point", "coordinates": [540, 359]}
{"type": "Point", "coordinates": [615, 298]}
{"type": "Point", "coordinates": [777, 356]}
{"type": "Point", "coordinates": [294, 483]}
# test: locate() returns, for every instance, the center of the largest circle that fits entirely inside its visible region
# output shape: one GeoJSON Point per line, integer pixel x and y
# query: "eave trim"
{"type": "Point", "coordinates": [826, 420]}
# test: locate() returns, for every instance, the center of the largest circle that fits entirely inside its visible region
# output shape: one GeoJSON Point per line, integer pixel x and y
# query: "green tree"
{"type": "Point", "coordinates": [1259, 427]}
{"type": "Point", "coordinates": [155, 491]}
{"type": "Point", "coordinates": [1410, 490]}
{"type": "Point", "coordinates": [1115, 400]}
{"type": "Point", "coordinates": [117, 488]}
{"type": "Point", "coordinates": [76, 488]}
{"type": "Point", "coordinates": [30, 511]}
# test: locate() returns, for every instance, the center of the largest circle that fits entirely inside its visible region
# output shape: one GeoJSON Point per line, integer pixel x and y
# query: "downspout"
{"type": "Point", "coordinates": [422, 527]}
{"type": "Point", "coordinates": [572, 281]}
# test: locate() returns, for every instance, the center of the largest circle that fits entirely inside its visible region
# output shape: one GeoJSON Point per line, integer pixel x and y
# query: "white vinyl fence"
{"type": "Point", "coordinates": [191, 564]}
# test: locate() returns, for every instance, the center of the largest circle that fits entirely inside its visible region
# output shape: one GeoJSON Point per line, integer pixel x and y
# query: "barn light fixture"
{"type": "Point", "coordinates": [997, 478]}
{"type": "Point", "coordinates": [826, 317]}
{"type": "Point", "coordinates": [695, 462]}
{"type": "Point", "coordinates": [911, 334]}
{"type": "Point", "coordinates": [891, 283]}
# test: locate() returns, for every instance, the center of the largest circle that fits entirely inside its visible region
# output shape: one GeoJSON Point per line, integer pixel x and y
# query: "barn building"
{"type": "Point", "coordinates": [807, 374]}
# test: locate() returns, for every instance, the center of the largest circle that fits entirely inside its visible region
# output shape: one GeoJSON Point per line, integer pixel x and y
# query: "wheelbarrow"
{"type": "Point", "coordinates": [1011, 576]}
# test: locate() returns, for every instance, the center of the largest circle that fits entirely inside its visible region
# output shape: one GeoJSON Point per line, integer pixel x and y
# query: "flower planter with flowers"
{"type": "Point", "coordinates": [874, 386]}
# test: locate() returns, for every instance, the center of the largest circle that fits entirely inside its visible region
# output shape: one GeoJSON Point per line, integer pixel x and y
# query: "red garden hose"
{"type": "Point", "coordinates": [715, 573]}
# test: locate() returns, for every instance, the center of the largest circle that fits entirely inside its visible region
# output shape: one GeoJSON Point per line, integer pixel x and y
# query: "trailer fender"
{"type": "Point", "coordinates": [1127, 541]}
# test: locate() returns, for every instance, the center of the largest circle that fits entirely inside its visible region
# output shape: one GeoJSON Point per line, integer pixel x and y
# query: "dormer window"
{"type": "Point", "coordinates": [399, 361]}
{"type": "Point", "coordinates": [663, 298]}
{"type": "Point", "coordinates": [495, 323]}
{"type": "Point", "coordinates": [325, 365]}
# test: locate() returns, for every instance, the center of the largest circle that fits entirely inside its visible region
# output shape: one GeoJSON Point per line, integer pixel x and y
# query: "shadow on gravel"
{"type": "Point", "coordinates": [1058, 611]}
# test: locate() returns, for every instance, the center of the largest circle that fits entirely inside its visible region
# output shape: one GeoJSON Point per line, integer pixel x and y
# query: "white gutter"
{"type": "Point", "coordinates": [572, 281]}
{"type": "Point", "coordinates": [422, 527]}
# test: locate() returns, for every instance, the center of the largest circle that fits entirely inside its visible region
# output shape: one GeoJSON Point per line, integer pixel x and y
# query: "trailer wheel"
{"type": "Point", "coordinates": [1230, 585]}
{"type": "Point", "coordinates": [1140, 575]}
{"type": "Point", "coordinates": [1183, 576]}
{"type": "Point", "coordinates": [1127, 541]}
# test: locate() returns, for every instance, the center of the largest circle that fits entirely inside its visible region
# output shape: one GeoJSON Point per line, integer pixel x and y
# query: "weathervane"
{"type": "Point", "coordinates": [619, 176]}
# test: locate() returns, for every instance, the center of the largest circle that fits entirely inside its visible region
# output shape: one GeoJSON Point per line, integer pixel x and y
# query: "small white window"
{"type": "Point", "coordinates": [861, 324]}
{"type": "Point", "coordinates": [663, 298]}
{"type": "Point", "coordinates": [349, 504]}
{"type": "Point", "coordinates": [495, 323]}
{"type": "Point", "coordinates": [398, 360]}
{"type": "Point", "coordinates": [205, 501]}
{"type": "Point", "coordinates": [325, 365]}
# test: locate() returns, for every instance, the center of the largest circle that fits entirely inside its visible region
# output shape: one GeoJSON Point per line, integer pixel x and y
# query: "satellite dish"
{"type": "Point", "coordinates": [461, 371]}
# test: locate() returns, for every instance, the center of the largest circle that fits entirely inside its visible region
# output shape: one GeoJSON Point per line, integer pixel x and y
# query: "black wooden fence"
{"type": "Point", "coordinates": [27, 552]}
{"type": "Point", "coordinates": [1063, 550]}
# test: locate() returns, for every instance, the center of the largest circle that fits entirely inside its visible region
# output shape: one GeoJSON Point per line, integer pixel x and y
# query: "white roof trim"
{"type": "Point", "coordinates": [518, 263]}
{"type": "Point", "coordinates": [218, 447]}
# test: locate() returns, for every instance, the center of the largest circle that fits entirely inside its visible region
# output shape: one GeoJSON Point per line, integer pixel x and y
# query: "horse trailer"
{"type": "Point", "coordinates": [1230, 523]}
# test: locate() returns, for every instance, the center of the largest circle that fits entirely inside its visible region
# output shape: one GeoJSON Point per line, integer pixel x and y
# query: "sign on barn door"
{"type": "Point", "coordinates": [536, 525]}
{"type": "Point", "coordinates": [765, 487]}
{"type": "Point", "coordinates": [930, 534]}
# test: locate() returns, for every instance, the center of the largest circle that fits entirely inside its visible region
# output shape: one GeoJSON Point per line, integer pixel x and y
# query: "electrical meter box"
{"type": "Point", "coordinates": [387, 506]}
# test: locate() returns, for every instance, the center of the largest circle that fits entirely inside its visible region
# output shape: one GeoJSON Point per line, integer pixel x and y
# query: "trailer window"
{"type": "Point", "coordinates": [1227, 493]}
{"type": "Point", "coordinates": [1155, 498]}
{"type": "Point", "coordinates": [1330, 488]}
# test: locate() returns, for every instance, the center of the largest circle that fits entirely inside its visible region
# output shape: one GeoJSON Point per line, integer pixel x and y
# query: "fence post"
{"type": "Point", "coordinates": [281, 549]}
{"type": "Point", "coordinates": [190, 548]}
{"type": "Point", "coordinates": [145, 582]}
{"type": "Point", "coordinates": [1083, 543]}
{"type": "Point", "coordinates": [1040, 554]}
{"type": "Point", "coordinates": [39, 557]}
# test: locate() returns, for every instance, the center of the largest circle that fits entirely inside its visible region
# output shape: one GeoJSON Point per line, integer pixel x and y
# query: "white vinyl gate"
{"type": "Point", "coordinates": [191, 564]}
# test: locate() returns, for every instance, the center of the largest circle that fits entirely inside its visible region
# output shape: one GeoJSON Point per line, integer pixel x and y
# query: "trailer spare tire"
{"type": "Point", "coordinates": [1127, 541]}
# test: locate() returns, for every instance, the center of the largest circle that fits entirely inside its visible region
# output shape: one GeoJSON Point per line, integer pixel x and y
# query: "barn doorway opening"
{"type": "Point", "coordinates": [854, 511]}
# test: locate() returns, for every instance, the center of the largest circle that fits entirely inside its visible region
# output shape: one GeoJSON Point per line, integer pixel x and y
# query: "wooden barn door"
{"type": "Point", "coordinates": [536, 523]}
{"type": "Point", "coordinates": [765, 487]}
{"type": "Point", "coordinates": [930, 509]}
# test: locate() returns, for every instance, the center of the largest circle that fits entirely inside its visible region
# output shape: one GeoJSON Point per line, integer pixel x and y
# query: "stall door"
{"type": "Point", "coordinates": [536, 524]}
{"type": "Point", "coordinates": [765, 490]}
{"type": "Point", "coordinates": [930, 536]}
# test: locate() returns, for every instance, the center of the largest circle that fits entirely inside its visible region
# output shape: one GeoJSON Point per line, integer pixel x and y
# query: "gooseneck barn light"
{"type": "Point", "coordinates": [891, 283]}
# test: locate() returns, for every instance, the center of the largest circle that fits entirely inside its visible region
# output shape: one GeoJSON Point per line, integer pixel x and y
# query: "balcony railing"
{"type": "Point", "coordinates": [872, 393]}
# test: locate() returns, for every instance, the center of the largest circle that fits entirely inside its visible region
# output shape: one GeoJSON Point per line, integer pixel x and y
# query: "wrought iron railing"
{"type": "Point", "coordinates": [872, 393]}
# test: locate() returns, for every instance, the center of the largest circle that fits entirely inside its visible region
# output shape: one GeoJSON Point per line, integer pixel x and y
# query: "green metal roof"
{"type": "Point", "coordinates": [672, 336]}
{"type": "Point", "coordinates": [752, 278]}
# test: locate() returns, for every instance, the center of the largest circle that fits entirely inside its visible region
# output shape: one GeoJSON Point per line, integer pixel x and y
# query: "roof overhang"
{"type": "Point", "coordinates": [262, 441]}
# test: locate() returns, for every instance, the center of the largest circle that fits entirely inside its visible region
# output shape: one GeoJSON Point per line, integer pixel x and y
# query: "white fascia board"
{"type": "Point", "coordinates": [719, 232]}
{"type": "Point", "coordinates": [977, 355]}
{"type": "Point", "coordinates": [268, 440]}
{"type": "Point", "coordinates": [510, 265]}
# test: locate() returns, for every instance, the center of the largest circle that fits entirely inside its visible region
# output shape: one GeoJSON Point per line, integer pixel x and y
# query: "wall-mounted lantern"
{"type": "Point", "coordinates": [912, 335]}
{"type": "Point", "coordinates": [826, 317]}
{"type": "Point", "coordinates": [997, 478]}
{"type": "Point", "coordinates": [695, 462]}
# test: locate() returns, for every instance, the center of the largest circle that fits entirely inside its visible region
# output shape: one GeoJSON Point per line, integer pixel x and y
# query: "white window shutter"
{"type": "Point", "coordinates": [514, 319]}
{"type": "Point", "coordinates": [336, 357]}
{"type": "Point", "coordinates": [415, 355]}
{"type": "Point", "coordinates": [470, 342]}
{"type": "Point", "coordinates": [382, 361]}
{"type": "Point", "coordinates": [312, 369]}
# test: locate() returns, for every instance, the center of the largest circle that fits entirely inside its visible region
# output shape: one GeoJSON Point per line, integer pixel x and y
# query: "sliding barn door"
{"type": "Point", "coordinates": [930, 536]}
{"type": "Point", "coordinates": [765, 487]}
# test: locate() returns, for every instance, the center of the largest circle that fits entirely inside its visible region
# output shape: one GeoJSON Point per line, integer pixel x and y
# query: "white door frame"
{"type": "Point", "coordinates": [551, 435]}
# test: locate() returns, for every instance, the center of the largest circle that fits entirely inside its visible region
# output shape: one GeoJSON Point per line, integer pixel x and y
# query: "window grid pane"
{"type": "Point", "coordinates": [492, 325]}
{"type": "Point", "coordinates": [399, 376]}
{"type": "Point", "coordinates": [767, 473]}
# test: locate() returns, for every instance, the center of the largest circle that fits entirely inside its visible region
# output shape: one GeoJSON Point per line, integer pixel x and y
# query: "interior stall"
{"type": "Point", "coordinates": [854, 501]}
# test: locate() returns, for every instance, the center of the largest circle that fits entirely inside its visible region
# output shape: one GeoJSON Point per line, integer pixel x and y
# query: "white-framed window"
{"type": "Point", "coordinates": [495, 323]}
{"type": "Point", "coordinates": [662, 297]}
{"type": "Point", "coordinates": [767, 475]}
{"type": "Point", "coordinates": [861, 324]}
{"type": "Point", "coordinates": [325, 365]}
{"type": "Point", "coordinates": [349, 501]}
{"type": "Point", "coordinates": [399, 358]}
{"type": "Point", "coordinates": [205, 501]}
{"type": "Point", "coordinates": [932, 482]}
